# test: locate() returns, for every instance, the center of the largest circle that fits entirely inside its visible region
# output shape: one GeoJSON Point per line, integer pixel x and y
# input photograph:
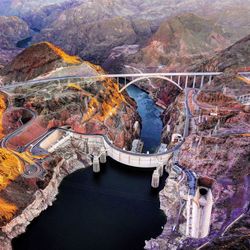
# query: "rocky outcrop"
{"type": "Point", "coordinates": [42, 199]}
{"type": "Point", "coordinates": [35, 61]}
{"type": "Point", "coordinates": [233, 58]}
{"type": "Point", "coordinates": [179, 41]}
{"type": "Point", "coordinates": [170, 197]}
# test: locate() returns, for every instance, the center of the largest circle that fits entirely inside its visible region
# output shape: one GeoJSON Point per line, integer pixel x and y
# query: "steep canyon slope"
{"type": "Point", "coordinates": [85, 27]}
{"type": "Point", "coordinates": [93, 107]}
{"type": "Point", "coordinates": [12, 29]}
{"type": "Point", "coordinates": [217, 147]}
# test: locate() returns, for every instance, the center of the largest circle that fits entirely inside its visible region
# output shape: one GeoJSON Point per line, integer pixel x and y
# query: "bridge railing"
{"type": "Point", "coordinates": [115, 76]}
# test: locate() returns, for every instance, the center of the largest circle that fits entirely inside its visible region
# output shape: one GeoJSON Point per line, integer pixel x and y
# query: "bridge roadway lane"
{"type": "Point", "coordinates": [115, 76]}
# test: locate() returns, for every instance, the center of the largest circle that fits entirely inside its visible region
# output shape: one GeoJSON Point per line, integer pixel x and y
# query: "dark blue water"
{"type": "Point", "coordinates": [150, 115]}
{"type": "Point", "coordinates": [24, 43]}
{"type": "Point", "coordinates": [113, 210]}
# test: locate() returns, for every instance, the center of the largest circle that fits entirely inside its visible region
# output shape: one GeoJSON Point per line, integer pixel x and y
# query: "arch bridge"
{"type": "Point", "coordinates": [180, 80]}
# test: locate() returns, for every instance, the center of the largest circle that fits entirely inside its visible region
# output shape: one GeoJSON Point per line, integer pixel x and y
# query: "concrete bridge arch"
{"type": "Point", "coordinates": [151, 77]}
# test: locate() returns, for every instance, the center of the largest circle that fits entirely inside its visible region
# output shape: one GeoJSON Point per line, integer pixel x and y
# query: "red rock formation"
{"type": "Point", "coordinates": [35, 61]}
{"type": "Point", "coordinates": [28, 134]}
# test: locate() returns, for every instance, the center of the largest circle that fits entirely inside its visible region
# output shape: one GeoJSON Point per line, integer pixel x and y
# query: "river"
{"type": "Point", "coordinates": [115, 209]}
{"type": "Point", "coordinates": [150, 118]}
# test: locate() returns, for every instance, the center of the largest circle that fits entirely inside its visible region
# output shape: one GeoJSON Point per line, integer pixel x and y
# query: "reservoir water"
{"type": "Point", "coordinates": [115, 209]}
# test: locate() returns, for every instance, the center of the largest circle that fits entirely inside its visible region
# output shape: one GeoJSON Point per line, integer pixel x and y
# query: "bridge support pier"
{"type": "Point", "coordinates": [155, 179]}
{"type": "Point", "coordinates": [103, 157]}
{"type": "Point", "coordinates": [96, 165]}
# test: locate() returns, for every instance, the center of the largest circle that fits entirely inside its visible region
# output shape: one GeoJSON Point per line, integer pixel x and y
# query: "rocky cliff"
{"type": "Point", "coordinates": [133, 22]}
{"type": "Point", "coordinates": [93, 107]}
{"type": "Point", "coordinates": [35, 61]}
{"type": "Point", "coordinates": [217, 147]}
{"type": "Point", "coordinates": [40, 198]}
{"type": "Point", "coordinates": [231, 59]}
{"type": "Point", "coordinates": [12, 29]}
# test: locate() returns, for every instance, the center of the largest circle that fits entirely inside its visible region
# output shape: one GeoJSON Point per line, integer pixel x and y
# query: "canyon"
{"type": "Point", "coordinates": [83, 27]}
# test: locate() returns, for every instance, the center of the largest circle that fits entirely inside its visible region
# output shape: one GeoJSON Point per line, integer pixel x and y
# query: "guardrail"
{"type": "Point", "coordinates": [16, 84]}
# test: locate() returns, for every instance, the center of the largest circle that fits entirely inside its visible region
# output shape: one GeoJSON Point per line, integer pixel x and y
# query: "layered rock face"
{"type": "Point", "coordinates": [40, 195]}
{"type": "Point", "coordinates": [12, 29]}
{"type": "Point", "coordinates": [34, 61]}
{"type": "Point", "coordinates": [235, 57]}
